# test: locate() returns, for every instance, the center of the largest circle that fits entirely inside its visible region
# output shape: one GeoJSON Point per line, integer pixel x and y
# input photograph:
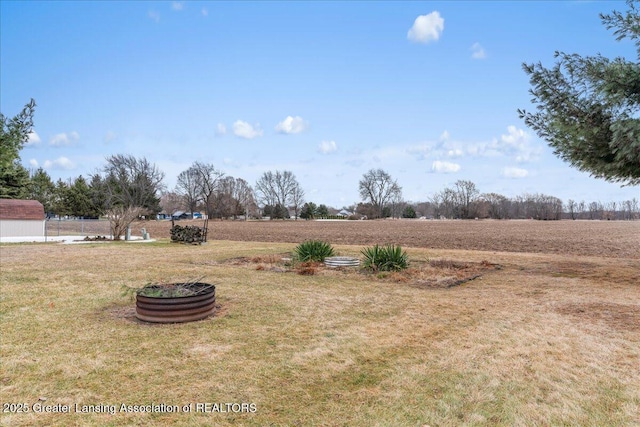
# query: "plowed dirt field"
{"type": "Point", "coordinates": [617, 239]}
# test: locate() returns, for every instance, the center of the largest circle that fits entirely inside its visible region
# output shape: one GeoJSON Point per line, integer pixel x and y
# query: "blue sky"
{"type": "Point", "coordinates": [427, 91]}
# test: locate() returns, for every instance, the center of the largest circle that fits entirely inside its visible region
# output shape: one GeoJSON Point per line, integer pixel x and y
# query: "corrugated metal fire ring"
{"type": "Point", "coordinates": [341, 261]}
{"type": "Point", "coordinates": [156, 304]}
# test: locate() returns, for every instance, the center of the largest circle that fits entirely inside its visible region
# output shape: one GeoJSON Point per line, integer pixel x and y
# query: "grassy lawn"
{"type": "Point", "coordinates": [546, 340]}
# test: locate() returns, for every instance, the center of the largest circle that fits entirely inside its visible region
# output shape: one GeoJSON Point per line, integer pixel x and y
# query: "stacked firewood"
{"type": "Point", "coordinates": [187, 234]}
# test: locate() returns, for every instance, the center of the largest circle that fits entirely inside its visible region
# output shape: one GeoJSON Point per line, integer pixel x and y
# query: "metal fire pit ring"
{"type": "Point", "coordinates": [162, 305]}
{"type": "Point", "coordinates": [341, 261]}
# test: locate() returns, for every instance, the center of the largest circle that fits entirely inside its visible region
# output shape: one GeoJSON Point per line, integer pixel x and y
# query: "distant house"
{"type": "Point", "coordinates": [21, 218]}
{"type": "Point", "coordinates": [186, 215]}
{"type": "Point", "coordinates": [180, 215]}
{"type": "Point", "coordinates": [345, 213]}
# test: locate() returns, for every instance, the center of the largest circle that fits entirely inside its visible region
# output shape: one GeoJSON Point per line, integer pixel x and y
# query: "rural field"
{"type": "Point", "coordinates": [495, 323]}
{"type": "Point", "coordinates": [598, 238]}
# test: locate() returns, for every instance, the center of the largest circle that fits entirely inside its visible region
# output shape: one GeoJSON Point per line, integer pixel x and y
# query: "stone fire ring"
{"type": "Point", "coordinates": [176, 302]}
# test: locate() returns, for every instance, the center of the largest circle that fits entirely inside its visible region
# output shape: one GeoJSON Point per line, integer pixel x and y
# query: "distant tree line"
{"type": "Point", "coordinates": [464, 200]}
{"type": "Point", "coordinates": [278, 195]}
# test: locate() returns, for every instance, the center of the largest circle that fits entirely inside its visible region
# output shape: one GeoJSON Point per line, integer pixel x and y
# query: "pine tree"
{"type": "Point", "coordinates": [42, 189]}
{"type": "Point", "coordinates": [14, 133]}
{"type": "Point", "coordinates": [588, 107]}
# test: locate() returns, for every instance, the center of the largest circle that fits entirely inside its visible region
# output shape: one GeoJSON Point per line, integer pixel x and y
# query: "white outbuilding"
{"type": "Point", "coordinates": [21, 218]}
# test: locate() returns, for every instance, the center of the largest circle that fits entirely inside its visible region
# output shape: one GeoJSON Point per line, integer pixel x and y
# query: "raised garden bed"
{"type": "Point", "coordinates": [175, 302]}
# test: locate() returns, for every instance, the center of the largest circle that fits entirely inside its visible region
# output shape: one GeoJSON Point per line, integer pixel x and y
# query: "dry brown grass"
{"type": "Point", "coordinates": [549, 339]}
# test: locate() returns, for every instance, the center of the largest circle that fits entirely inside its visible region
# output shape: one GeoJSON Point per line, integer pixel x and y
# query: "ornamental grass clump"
{"type": "Point", "coordinates": [313, 251]}
{"type": "Point", "coordinates": [385, 258]}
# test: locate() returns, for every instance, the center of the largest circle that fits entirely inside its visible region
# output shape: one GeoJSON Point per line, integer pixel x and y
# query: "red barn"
{"type": "Point", "coordinates": [21, 218]}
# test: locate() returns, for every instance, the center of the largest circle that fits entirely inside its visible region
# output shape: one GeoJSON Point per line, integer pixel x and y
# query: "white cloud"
{"type": "Point", "coordinates": [33, 163]}
{"type": "Point", "coordinates": [449, 147]}
{"type": "Point", "coordinates": [221, 129]}
{"type": "Point", "coordinates": [474, 150]}
{"type": "Point", "coordinates": [510, 172]}
{"type": "Point", "coordinates": [64, 139]}
{"type": "Point", "coordinates": [477, 51]}
{"type": "Point", "coordinates": [426, 28]}
{"type": "Point", "coordinates": [516, 143]}
{"type": "Point", "coordinates": [327, 147]}
{"type": "Point", "coordinates": [154, 16]}
{"type": "Point", "coordinates": [455, 152]}
{"type": "Point", "coordinates": [34, 139]}
{"type": "Point", "coordinates": [177, 5]}
{"type": "Point", "coordinates": [292, 125]}
{"type": "Point", "coordinates": [515, 136]}
{"type": "Point", "coordinates": [59, 163]}
{"type": "Point", "coordinates": [245, 130]}
{"type": "Point", "coordinates": [444, 167]}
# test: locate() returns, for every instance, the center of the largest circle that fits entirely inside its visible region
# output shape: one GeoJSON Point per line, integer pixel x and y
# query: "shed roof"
{"type": "Point", "coordinates": [21, 209]}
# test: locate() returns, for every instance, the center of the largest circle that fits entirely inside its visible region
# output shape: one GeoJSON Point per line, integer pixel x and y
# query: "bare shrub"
{"type": "Point", "coordinates": [121, 217]}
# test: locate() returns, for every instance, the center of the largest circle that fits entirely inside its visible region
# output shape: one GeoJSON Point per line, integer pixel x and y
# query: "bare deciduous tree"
{"type": "Point", "coordinates": [297, 199]}
{"type": "Point", "coordinates": [131, 187]}
{"type": "Point", "coordinates": [630, 208]}
{"type": "Point", "coordinates": [378, 188]}
{"type": "Point", "coordinates": [446, 203]}
{"type": "Point", "coordinates": [497, 205]}
{"type": "Point", "coordinates": [466, 194]}
{"type": "Point", "coordinates": [131, 181]}
{"type": "Point", "coordinates": [244, 196]}
{"type": "Point", "coordinates": [544, 207]}
{"type": "Point", "coordinates": [582, 207]}
{"type": "Point", "coordinates": [397, 205]}
{"type": "Point", "coordinates": [225, 203]}
{"type": "Point", "coordinates": [595, 210]}
{"type": "Point", "coordinates": [278, 189]}
{"type": "Point", "coordinates": [121, 217]}
{"type": "Point", "coordinates": [187, 186]}
{"type": "Point", "coordinates": [572, 208]}
{"type": "Point", "coordinates": [208, 179]}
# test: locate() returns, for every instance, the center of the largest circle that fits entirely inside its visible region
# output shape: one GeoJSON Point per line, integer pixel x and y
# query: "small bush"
{"type": "Point", "coordinates": [385, 258]}
{"type": "Point", "coordinates": [313, 250]}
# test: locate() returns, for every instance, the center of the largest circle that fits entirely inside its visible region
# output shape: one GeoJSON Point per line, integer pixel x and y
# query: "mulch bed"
{"type": "Point", "coordinates": [436, 273]}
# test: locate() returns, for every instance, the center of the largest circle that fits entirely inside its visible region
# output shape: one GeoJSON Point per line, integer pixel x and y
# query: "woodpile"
{"type": "Point", "coordinates": [188, 234]}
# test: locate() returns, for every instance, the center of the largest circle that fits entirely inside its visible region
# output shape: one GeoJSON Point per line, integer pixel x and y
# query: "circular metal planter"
{"type": "Point", "coordinates": [341, 261]}
{"type": "Point", "coordinates": [176, 302]}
